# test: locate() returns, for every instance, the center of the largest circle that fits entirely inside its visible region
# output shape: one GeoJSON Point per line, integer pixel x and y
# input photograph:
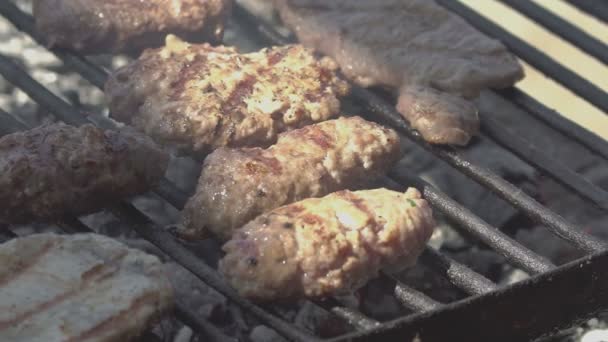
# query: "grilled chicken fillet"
{"type": "Point", "coordinates": [56, 170]}
{"type": "Point", "coordinates": [128, 26]}
{"type": "Point", "coordinates": [436, 60]}
{"type": "Point", "coordinates": [200, 97]}
{"type": "Point", "coordinates": [325, 246]}
{"type": "Point", "coordinates": [82, 287]}
{"type": "Point", "coordinates": [236, 185]}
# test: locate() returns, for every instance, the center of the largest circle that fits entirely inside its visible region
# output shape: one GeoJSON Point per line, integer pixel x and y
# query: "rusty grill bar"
{"type": "Point", "coordinates": [515, 314]}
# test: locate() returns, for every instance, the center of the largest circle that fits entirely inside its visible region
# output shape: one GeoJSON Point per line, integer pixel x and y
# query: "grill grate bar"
{"type": "Point", "coordinates": [561, 27]}
{"type": "Point", "coordinates": [559, 172]}
{"type": "Point", "coordinates": [596, 8]}
{"type": "Point", "coordinates": [25, 22]}
{"type": "Point", "coordinates": [512, 250]}
{"type": "Point", "coordinates": [376, 108]}
{"type": "Point", "coordinates": [535, 57]}
{"type": "Point", "coordinates": [556, 121]}
{"type": "Point", "coordinates": [192, 319]}
{"type": "Point", "coordinates": [354, 317]}
{"type": "Point", "coordinates": [39, 93]}
{"type": "Point", "coordinates": [417, 301]}
{"type": "Point", "coordinates": [521, 312]}
{"type": "Point", "coordinates": [8, 124]}
{"type": "Point", "coordinates": [457, 273]}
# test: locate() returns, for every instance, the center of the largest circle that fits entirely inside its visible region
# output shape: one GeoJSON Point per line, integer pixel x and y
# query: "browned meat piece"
{"type": "Point", "coordinates": [83, 287]}
{"type": "Point", "coordinates": [236, 185]}
{"type": "Point", "coordinates": [128, 26]}
{"type": "Point", "coordinates": [201, 97]}
{"type": "Point", "coordinates": [57, 170]}
{"type": "Point", "coordinates": [326, 246]}
{"type": "Point", "coordinates": [410, 45]}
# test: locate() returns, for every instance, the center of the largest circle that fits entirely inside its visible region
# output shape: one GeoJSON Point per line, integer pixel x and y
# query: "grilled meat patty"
{"type": "Point", "coordinates": [236, 185]}
{"type": "Point", "coordinates": [435, 58]}
{"type": "Point", "coordinates": [325, 246]}
{"type": "Point", "coordinates": [200, 97]}
{"type": "Point", "coordinates": [56, 170]}
{"type": "Point", "coordinates": [128, 26]}
{"type": "Point", "coordinates": [83, 287]}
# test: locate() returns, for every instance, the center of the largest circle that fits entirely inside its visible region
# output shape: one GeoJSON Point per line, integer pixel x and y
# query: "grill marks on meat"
{"type": "Point", "coordinates": [82, 287]}
{"type": "Point", "coordinates": [325, 246]}
{"type": "Point", "coordinates": [436, 59]}
{"type": "Point", "coordinates": [94, 26]}
{"type": "Point", "coordinates": [56, 170]}
{"type": "Point", "coordinates": [236, 185]}
{"type": "Point", "coordinates": [200, 97]}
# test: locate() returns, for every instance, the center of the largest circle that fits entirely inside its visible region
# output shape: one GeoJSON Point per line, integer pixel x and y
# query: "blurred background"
{"type": "Point", "coordinates": [536, 84]}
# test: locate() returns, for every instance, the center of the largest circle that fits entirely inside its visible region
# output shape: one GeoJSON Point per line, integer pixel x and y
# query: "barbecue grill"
{"type": "Point", "coordinates": [552, 299]}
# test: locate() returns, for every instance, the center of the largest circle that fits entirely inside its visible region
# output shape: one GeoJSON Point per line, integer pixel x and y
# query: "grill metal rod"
{"type": "Point", "coordinates": [377, 108]}
{"type": "Point", "coordinates": [8, 124]}
{"type": "Point", "coordinates": [25, 23]}
{"type": "Point", "coordinates": [535, 57]}
{"type": "Point", "coordinates": [596, 8]}
{"type": "Point", "coordinates": [509, 248]}
{"type": "Point", "coordinates": [560, 173]}
{"type": "Point", "coordinates": [458, 274]}
{"type": "Point", "coordinates": [419, 302]}
{"type": "Point", "coordinates": [556, 121]}
{"type": "Point", "coordinates": [561, 27]}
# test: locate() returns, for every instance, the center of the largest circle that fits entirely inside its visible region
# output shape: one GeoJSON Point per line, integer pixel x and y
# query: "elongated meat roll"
{"type": "Point", "coordinates": [326, 246]}
{"type": "Point", "coordinates": [236, 185]}
{"type": "Point", "coordinates": [56, 170]}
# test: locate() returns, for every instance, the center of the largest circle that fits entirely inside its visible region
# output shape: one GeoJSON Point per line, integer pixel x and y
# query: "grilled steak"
{"type": "Point", "coordinates": [117, 26]}
{"type": "Point", "coordinates": [324, 246]}
{"type": "Point", "coordinates": [236, 185]}
{"type": "Point", "coordinates": [57, 170]}
{"type": "Point", "coordinates": [410, 45]}
{"type": "Point", "coordinates": [201, 97]}
{"type": "Point", "coordinates": [83, 287]}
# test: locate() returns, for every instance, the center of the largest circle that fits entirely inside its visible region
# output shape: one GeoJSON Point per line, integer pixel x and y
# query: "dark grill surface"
{"type": "Point", "coordinates": [555, 297]}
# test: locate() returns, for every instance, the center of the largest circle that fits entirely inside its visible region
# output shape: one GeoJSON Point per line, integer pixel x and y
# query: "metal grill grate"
{"type": "Point", "coordinates": [525, 310]}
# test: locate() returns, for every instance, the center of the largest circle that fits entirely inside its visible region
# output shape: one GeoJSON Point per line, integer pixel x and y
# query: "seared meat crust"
{"type": "Point", "coordinates": [128, 26]}
{"type": "Point", "coordinates": [82, 287]}
{"type": "Point", "coordinates": [201, 97]}
{"type": "Point", "coordinates": [236, 185]}
{"type": "Point", "coordinates": [409, 45]}
{"type": "Point", "coordinates": [325, 246]}
{"type": "Point", "coordinates": [56, 170]}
